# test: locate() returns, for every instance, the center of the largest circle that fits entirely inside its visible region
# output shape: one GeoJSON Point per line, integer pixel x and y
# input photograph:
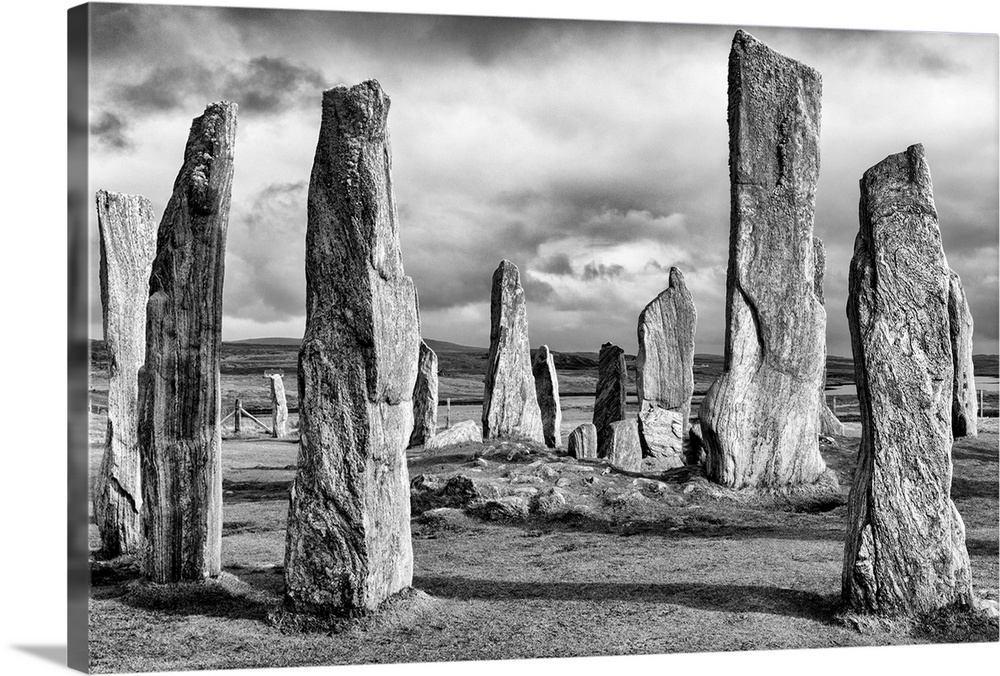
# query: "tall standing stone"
{"type": "Point", "coordinates": [664, 369]}
{"type": "Point", "coordinates": [758, 418]}
{"type": "Point", "coordinates": [180, 437]}
{"type": "Point", "coordinates": [128, 244]}
{"type": "Point", "coordinates": [547, 392]}
{"type": "Point", "coordinates": [348, 538]}
{"type": "Point", "coordinates": [829, 424]}
{"type": "Point", "coordinates": [905, 551]}
{"type": "Point", "coordinates": [510, 407]}
{"type": "Point", "coordinates": [279, 406]}
{"type": "Point", "coordinates": [425, 397]}
{"type": "Point", "coordinates": [964, 409]}
{"type": "Point", "coordinates": [612, 381]}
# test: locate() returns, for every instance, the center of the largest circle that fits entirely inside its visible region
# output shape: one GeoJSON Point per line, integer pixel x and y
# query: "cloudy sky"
{"type": "Point", "coordinates": [592, 154]}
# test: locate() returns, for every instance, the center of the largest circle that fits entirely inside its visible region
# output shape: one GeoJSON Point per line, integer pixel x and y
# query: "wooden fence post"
{"type": "Point", "coordinates": [447, 420]}
{"type": "Point", "coordinates": [238, 418]}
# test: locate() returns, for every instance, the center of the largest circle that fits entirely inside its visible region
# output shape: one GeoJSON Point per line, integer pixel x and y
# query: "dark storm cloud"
{"type": "Point", "coordinates": [263, 84]}
{"type": "Point", "coordinates": [594, 270]}
{"type": "Point", "coordinates": [110, 131]}
{"type": "Point", "coordinates": [557, 264]}
{"type": "Point", "coordinates": [535, 290]}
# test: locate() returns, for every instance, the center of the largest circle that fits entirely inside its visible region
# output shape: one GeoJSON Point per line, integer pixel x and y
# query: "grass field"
{"type": "Point", "coordinates": [542, 556]}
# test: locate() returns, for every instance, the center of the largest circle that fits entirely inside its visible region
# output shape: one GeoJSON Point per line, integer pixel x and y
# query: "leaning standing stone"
{"type": "Point", "coordinates": [128, 244]}
{"type": "Point", "coordinates": [179, 400]}
{"type": "Point", "coordinates": [510, 407]}
{"type": "Point", "coordinates": [664, 369]}
{"type": "Point", "coordinates": [905, 551]}
{"type": "Point", "coordinates": [348, 539]}
{"type": "Point", "coordinates": [964, 410]}
{"type": "Point", "coordinates": [758, 418]}
{"type": "Point", "coordinates": [425, 397]}
{"type": "Point", "coordinates": [829, 424]}
{"type": "Point", "coordinates": [582, 441]}
{"type": "Point", "coordinates": [279, 406]}
{"type": "Point", "coordinates": [612, 379]}
{"type": "Point", "coordinates": [547, 393]}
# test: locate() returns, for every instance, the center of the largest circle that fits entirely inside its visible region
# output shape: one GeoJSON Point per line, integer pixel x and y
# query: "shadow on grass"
{"type": "Point", "coordinates": [227, 596]}
{"type": "Point", "coordinates": [50, 653]}
{"type": "Point", "coordinates": [980, 547]}
{"type": "Point", "coordinates": [254, 491]}
{"type": "Point", "coordinates": [972, 488]}
{"type": "Point", "coordinates": [974, 451]}
{"type": "Point", "coordinates": [729, 598]}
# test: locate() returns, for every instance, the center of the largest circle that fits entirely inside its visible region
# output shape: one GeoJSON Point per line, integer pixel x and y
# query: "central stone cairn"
{"type": "Point", "coordinates": [348, 541]}
{"type": "Point", "coordinates": [759, 418]}
{"type": "Point", "coordinates": [180, 438]}
{"type": "Point", "coordinates": [664, 369]}
{"type": "Point", "coordinates": [905, 551]}
{"type": "Point", "coordinates": [510, 406]}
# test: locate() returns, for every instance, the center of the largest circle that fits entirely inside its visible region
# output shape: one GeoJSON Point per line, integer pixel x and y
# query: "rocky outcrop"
{"type": "Point", "coordinates": [425, 397]}
{"type": "Point", "coordinates": [128, 243]}
{"type": "Point", "coordinates": [510, 407]}
{"type": "Point", "coordinates": [665, 371]}
{"type": "Point", "coordinates": [348, 539]}
{"type": "Point", "coordinates": [758, 418]}
{"type": "Point", "coordinates": [905, 551]}
{"type": "Point", "coordinates": [582, 441]}
{"type": "Point", "coordinates": [465, 432]}
{"type": "Point", "coordinates": [612, 380]}
{"type": "Point", "coordinates": [180, 437]}
{"type": "Point", "coordinates": [964, 409]}
{"type": "Point", "coordinates": [279, 406]}
{"type": "Point", "coordinates": [547, 394]}
{"type": "Point", "coordinates": [829, 424]}
{"type": "Point", "coordinates": [620, 446]}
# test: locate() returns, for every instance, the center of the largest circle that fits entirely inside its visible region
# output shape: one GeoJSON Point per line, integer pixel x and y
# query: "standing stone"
{"type": "Point", "coordinates": [758, 418]}
{"type": "Point", "coordinates": [964, 411]}
{"type": "Point", "coordinates": [905, 551]}
{"type": "Point", "coordinates": [547, 393]}
{"type": "Point", "coordinates": [348, 539]}
{"type": "Point", "coordinates": [279, 406]}
{"type": "Point", "coordinates": [829, 424]}
{"type": "Point", "coordinates": [612, 380]}
{"type": "Point", "coordinates": [665, 372]}
{"type": "Point", "coordinates": [425, 397]}
{"type": "Point", "coordinates": [620, 445]}
{"type": "Point", "coordinates": [510, 408]}
{"type": "Point", "coordinates": [180, 436]}
{"type": "Point", "coordinates": [582, 442]}
{"type": "Point", "coordinates": [128, 244]}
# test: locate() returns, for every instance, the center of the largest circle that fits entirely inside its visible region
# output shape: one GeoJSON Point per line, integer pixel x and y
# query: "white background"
{"type": "Point", "coordinates": [33, 269]}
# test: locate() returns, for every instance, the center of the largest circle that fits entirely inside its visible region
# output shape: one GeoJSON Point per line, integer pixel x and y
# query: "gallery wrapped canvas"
{"type": "Point", "coordinates": [418, 338]}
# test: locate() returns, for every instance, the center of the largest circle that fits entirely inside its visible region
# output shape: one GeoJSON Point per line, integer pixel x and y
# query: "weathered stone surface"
{"type": "Point", "coordinates": [465, 432]}
{"type": "Point", "coordinates": [905, 551]}
{"type": "Point", "coordinates": [665, 370]}
{"type": "Point", "coordinates": [510, 408]}
{"type": "Point", "coordinates": [621, 447]}
{"type": "Point", "coordinates": [425, 397]}
{"type": "Point", "coordinates": [829, 424]}
{"type": "Point", "coordinates": [964, 408]}
{"type": "Point", "coordinates": [279, 406]}
{"type": "Point", "coordinates": [128, 244]}
{"type": "Point", "coordinates": [582, 441]}
{"type": "Point", "coordinates": [759, 419]}
{"type": "Point", "coordinates": [547, 394]}
{"type": "Point", "coordinates": [612, 380]}
{"type": "Point", "coordinates": [180, 438]}
{"type": "Point", "coordinates": [348, 540]}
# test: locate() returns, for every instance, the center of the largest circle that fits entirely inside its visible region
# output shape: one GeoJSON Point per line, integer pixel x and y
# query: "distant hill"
{"type": "Point", "coordinates": [267, 341]}
{"type": "Point", "coordinates": [445, 346]}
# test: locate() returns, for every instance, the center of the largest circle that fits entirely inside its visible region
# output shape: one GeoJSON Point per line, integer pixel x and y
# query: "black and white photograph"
{"type": "Point", "coordinates": [422, 337]}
